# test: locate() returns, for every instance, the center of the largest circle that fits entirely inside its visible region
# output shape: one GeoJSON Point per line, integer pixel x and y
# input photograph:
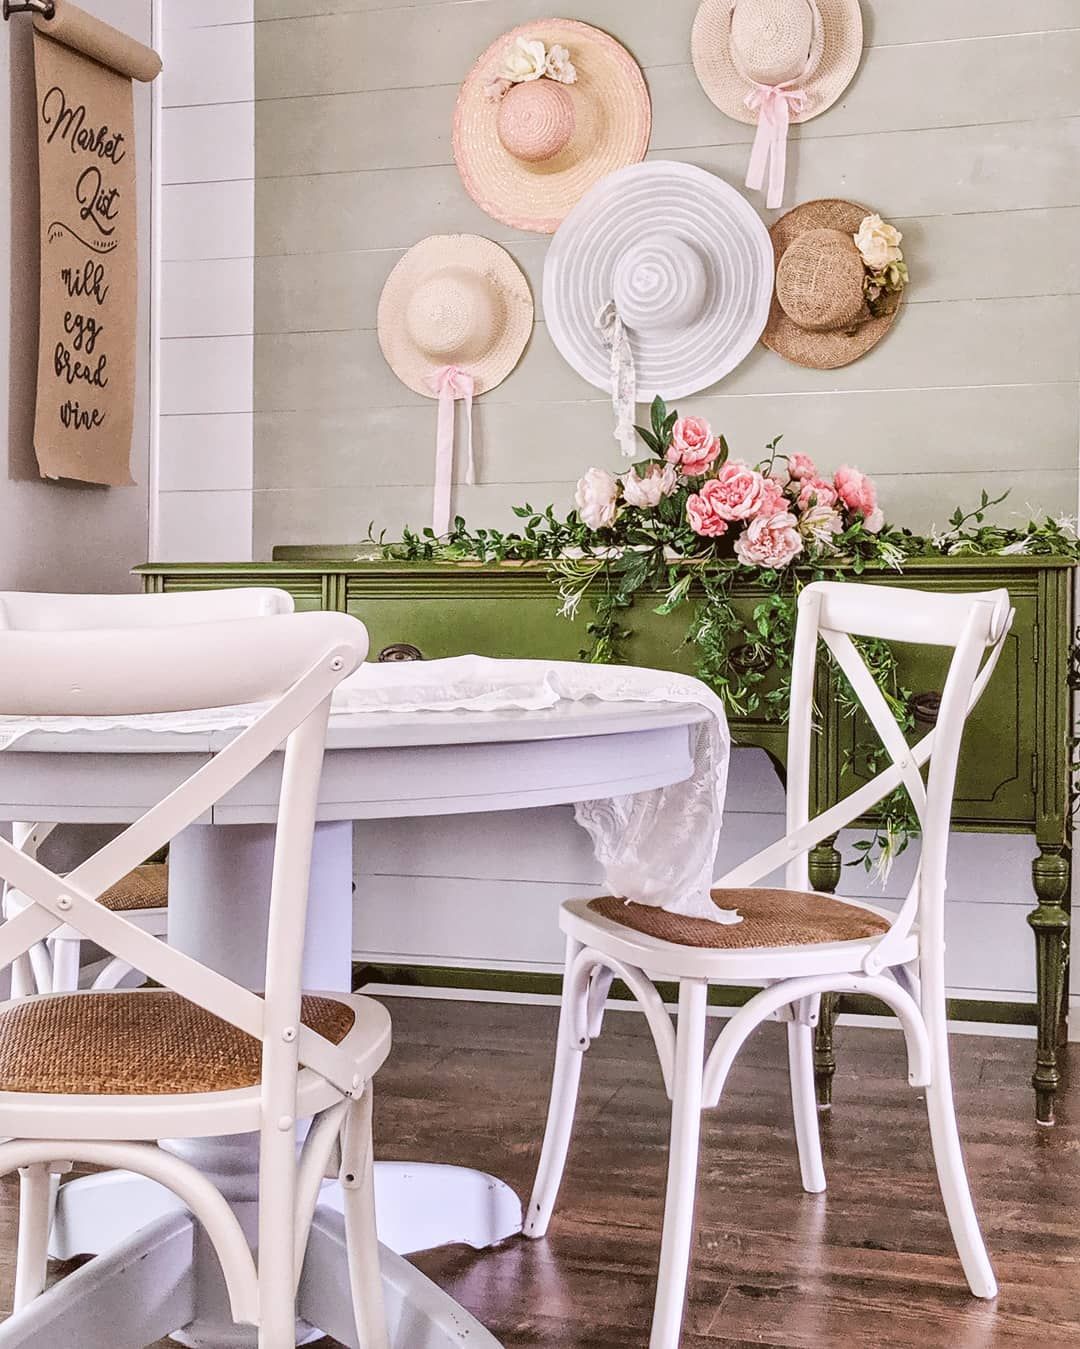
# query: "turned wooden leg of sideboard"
{"type": "Point", "coordinates": [825, 864]}
{"type": "Point", "coordinates": [1050, 923]}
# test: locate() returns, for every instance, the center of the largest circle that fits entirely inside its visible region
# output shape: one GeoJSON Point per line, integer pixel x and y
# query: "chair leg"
{"type": "Point", "coordinates": [678, 1233]}
{"type": "Point", "coordinates": [65, 963]}
{"type": "Point", "coordinates": [361, 1236]}
{"type": "Point", "coordinates": [565, 1081]}
{"type": "Point", "coordinates": [800, 1038]}
{"type": "Point", "coordinates": [22, 977]}
{"type": "Point", "coordinates": [952, 1174]}
{"type": "Point", "coordinates": [35, 1187]}
{"type": "Point", "coordinates": [276, 1257]}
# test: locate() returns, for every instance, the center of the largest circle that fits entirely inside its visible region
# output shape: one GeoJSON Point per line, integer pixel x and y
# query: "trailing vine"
{"type": "Point", "coordinates": [689, 529]}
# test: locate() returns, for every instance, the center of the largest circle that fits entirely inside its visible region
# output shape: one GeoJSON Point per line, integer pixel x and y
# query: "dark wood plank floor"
{"type": "Point", "coordinates": [868, 1264]}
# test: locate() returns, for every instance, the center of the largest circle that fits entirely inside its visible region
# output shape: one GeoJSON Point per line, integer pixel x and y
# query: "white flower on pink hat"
{"type": "Point", "coordinates": [525, 59]}
{"type": "Point", "coordinates": [559, 67]}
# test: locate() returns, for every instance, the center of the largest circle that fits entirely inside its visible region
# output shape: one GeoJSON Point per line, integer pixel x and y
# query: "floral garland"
{"type": "Point", "coordinates": [689, 523]}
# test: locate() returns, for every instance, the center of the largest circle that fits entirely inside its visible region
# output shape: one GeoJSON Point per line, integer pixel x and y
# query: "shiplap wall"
{"type": "Point", "coordinates": [962, 126]}
{"type": "Point", "coordinates": [207, 282]}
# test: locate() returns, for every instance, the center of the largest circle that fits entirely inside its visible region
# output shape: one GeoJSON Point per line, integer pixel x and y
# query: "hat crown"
{"type": "Point", "coordinates": [453, 315]}
{"type": "Point", "coordinates": [775, 41]}
{"type": "Point", "coordinates": [536, 121]}
{"type": "Point", "coordinates": [661, 283]}
{"type": "Point", "coordinates": [819, 281]}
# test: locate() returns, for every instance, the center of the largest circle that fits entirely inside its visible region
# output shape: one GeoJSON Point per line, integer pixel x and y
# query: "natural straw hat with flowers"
{"type": "Point", "coordinates": [840, 277]}
{"type": "Point", "coordinates": [547, 111]}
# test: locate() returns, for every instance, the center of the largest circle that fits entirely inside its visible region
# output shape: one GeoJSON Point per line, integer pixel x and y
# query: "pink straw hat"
{"type": "Point", "coordinates": [548, 110]}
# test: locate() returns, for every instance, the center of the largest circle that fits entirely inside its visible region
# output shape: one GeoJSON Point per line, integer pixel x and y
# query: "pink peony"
{"type": "Point", "coordinates": [855, 490]}
{"type": "Point", "coordinates": [801, 466]}
{"type": "Point", "coordinates": [769, 541]}
{"type": "Point", "coordinates": [596, 498]}
{"type": "Point", "coordinates": [739, 491]}
{"type": "Point", "coordinates": [818, 491]}
{"type": "Point", "coordinates": [693, 446]}
{"type": "Point", "coordinates": [701, 511]}
{"type": "Point", "coordinates": [659, 481]}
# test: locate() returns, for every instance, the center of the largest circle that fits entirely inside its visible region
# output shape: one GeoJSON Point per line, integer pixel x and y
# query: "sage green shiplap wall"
{"type": "Point", "coordinates": [963, 126]}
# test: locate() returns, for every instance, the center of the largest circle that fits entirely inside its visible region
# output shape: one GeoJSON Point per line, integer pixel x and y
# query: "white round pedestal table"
{"type": "Point", "coordinates": [154, 1271]}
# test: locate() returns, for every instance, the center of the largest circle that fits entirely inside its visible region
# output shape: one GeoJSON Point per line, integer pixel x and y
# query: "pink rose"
{"type": "Point", "coordinates": [772, 497]}
{"type": "Point", "coordinates": [702, 513]}
{"type": "Point", "coordinates": [855, 490]}
{"type": "Point", "coordinates": [801, 466]}
{"type": "Point", "coordinates": [769, 541]}
{"type": "Point", "coordinates": [817, 490]}
{"type": "Point", "coordinates": [659, 481]}
{"type": "Point", "coordinates": [693, 446]}
{"type": "Point", "coordinates": [738, 491]}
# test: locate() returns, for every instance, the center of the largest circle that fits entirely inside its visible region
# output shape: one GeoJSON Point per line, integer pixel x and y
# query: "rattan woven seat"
{"type": "Point", "coordinates": [769, 918]}
{"type": "Point", "coordinates": [142, 1042]}
{"type": "Point", "coordinates": [147, 887]}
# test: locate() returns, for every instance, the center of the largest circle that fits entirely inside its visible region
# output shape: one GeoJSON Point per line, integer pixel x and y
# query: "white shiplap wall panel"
{"type": "Point", "coordinates": [207, 283]}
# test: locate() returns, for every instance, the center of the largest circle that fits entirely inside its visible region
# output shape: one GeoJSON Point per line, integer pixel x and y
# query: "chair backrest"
{"type": "Point", "coordinates": [838, 614]}
{"type": "Point", "coordinates": [35, 610]}
{"type": "Point", "coordinates": [289, 665]}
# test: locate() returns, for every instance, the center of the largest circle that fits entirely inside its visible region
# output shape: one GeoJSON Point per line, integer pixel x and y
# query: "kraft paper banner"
{"type": "Point", "coordinates": [89, 266]}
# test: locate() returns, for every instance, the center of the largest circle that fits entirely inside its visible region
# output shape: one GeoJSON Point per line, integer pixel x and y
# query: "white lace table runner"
{"type": "Point", "coordinates": [656, 847]}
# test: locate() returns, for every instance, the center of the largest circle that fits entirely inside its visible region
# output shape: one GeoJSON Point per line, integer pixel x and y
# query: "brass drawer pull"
{"type": "Point", "coordinates": [925, 708]}
{"type": "Point", "coordinates": [400, 651]}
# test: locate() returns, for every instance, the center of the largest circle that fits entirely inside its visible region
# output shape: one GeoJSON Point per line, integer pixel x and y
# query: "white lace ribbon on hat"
{"type": "Point", "coordinates": [616, 340]}
{"type": "Point", "coordinates": [775, 104]}
{"type": "Point", "coordinates": [450, 383]}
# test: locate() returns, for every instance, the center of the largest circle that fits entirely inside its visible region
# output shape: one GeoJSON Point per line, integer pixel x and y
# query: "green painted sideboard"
{"type": "Point", "coordinates": [1015, 775]}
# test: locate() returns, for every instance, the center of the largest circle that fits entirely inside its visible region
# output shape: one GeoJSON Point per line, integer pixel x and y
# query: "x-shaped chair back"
{"type": "Point", "coordinates": [838, 614]}
{"type": "Point", "coordinates": [288, 666]}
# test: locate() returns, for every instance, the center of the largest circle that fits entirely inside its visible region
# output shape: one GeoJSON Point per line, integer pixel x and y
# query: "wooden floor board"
{"type": "Point", "coordinates": [868, 1264]}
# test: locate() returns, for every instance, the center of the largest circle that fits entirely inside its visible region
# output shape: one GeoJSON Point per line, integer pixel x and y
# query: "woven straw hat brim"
{"type": "Point", "coordinates": [613, 124]}
{"type": "Point", "coordinates": [711, 50]}
{"type": "Point", "coordinates": [498, 269]}
{"type": "Point", "coordinates": [701, 209]}
{"type": "Point", "coordinates": [820, 350]}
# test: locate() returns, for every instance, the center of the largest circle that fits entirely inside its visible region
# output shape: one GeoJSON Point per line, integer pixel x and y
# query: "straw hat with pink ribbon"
{"type": "Point", "coordinates": [547, 111]}
{"type": "Point", "coordinates": [773, 62]}
{"type": "Point", "coordinates": [454, 318]}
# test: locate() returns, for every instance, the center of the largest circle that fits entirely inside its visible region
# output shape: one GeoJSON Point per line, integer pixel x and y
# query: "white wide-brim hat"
{"type": "Point", "coordinates": [688, 264]}
{"type": "Point", "coordinates": [455, 300]}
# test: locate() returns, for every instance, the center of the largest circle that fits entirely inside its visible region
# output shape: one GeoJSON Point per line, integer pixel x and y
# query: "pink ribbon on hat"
{"type": "Point", "coordinates": [774, 105]}
{"type": "Point", "coordinates": [450, 383]}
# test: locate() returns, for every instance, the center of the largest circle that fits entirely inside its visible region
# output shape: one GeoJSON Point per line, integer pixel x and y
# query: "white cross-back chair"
{"type": "Point", "coordinates": [97, 1076]}
{"type": "Point", "coordinates": [796, 943]}
{"type": "Point", "coordinates": [142, 894]}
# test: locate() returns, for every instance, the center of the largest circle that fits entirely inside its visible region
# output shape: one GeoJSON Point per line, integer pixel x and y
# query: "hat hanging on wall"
{"type": "Point", "coordinates": [658, 282]}
{"type": "Point", "coordinates": [840, 276]}
{"type": "Point", "coordinates": [546, 112]}
{"type": "Point", "coordinates": [454, 317]}
{"type": "Point", "coordinates": [772, 62]}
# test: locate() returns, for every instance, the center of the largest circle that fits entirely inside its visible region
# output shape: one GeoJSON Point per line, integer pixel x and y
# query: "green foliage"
{"type": "Point", "coordinates": [744, 658]}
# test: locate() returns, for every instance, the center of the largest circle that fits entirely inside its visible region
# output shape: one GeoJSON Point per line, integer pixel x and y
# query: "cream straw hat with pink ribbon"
{"type": "Point", "coordinates": [773, 62]}
{"type": "Point", "coordinates": [547, 111]}
{"type": "Point", "coordinates": [454, 318]}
